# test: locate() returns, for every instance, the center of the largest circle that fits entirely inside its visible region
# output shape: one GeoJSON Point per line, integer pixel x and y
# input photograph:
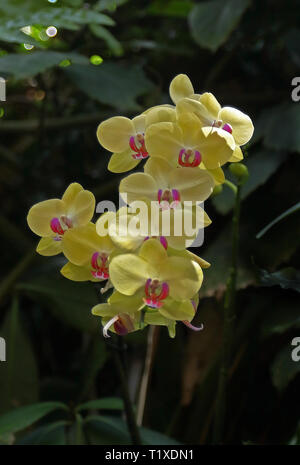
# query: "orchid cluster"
{"type": "Point", "coordinates": [154, 279]}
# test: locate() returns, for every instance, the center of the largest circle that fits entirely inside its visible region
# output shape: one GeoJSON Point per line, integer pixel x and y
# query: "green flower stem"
{"type": "Point", "coordinates": [231, 186]}
{"type": "Point", "coordinates": [130, 415]}
{"type": "Point", "coordinates": [117, 347]}
{"type": "Point", "coordinates": [229, 323]}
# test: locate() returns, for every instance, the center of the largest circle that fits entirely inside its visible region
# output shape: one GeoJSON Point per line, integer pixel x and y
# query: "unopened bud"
{"type": "Point", "coordinates": [240, 171]}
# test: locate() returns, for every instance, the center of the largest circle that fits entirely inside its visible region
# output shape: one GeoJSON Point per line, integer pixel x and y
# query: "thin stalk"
{"type": "Point", "coordinates": [130, 415]}
{"type": "Point", "coordinates": [229, 323]}
{"type": "Point", "coordinates": [151, 340]}
{"type": "Point", "coordinates": [117, 351]}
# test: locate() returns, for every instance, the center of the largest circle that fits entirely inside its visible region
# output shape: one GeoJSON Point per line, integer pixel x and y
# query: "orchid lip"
{"type": "Point", "coordinates": [227, 127]}
{"type": "Point", "coordinates": [168, 198]}
{"type": "Point", "coordinates": [140, 152]}
{"type": "Point", "coordinates": [100, 271]}
{"type": "Point", "coordinates": [184, 158]}
{"type": "Point", "coordinates": [59, 226]}
{"type": "Point", "coordinates": [155, 293]}
{"type": "Point", "coordinates": [122, 323]}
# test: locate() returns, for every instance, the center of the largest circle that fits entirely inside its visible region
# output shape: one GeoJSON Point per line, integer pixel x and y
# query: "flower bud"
{"type": "Point", "coordinates": [240, 171]}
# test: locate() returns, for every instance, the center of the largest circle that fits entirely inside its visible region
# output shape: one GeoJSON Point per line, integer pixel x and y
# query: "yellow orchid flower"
{"type": "Point", "coordinates": [211, 114]}
{"type": "Point", "coordinates": [51, 219]}
{"type": "Point", "coordinates": [163, 283]}
{"type": "Point", "coordinates": [129, 229]}
{"type": "Point", "coordinates": [120, 314]}
{"type": "Point", "coordinates": [168, 185]}
{"type": "Point", "coordinates": [88, 254]}
{"type": "Point", "coordinates": [186, 143]}
{"type": "Point", "coordinates": [123, 314]}
{"type": "Point", "coordinates": [125, 137]}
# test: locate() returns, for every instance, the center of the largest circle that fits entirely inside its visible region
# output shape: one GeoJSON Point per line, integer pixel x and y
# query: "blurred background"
{"type": "Point", "coordinates": [69, 64]}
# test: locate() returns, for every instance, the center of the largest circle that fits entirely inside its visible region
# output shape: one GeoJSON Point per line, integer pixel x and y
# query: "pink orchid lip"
{"type": "Point", "coordinates": [120, 328]}
{"type": "Point", "coordinates": [59, 226]}
{"type": "Point", "coordinates": [100, 271]}
{"type": "Point", "coordinates": [168, 199]}
{"type": "Point", "coordinates": [123, 324]}
{"type": "Point", "coordinates": [192, 327]}
{"type": "Point", "coordinates": [140, 152]}
{"type": "Point", "coordinates": [184, 156]}
{"type": "Point", "coordinates": [227, 127]}
{"type": "Point", "coordinates": [154, 299]}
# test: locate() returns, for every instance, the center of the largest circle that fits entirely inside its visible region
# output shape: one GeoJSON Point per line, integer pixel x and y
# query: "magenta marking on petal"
{"type": "Point", "coordinates": [194, 304]}
{"type": "Point", "coordinates": [159, 195]}
{"type": "Point", "coordinates": [164, 292]}
{"type": "Point", "coordinates": [175, 195]}
{"type": "Point", "coordinates": [227, 127]}
{"type": "Point", "coordinates": [94, 261]}
{"type": "Point", "coordinates": [180, 157]}
{"type": "Point", "coordinates": [56, 226]}
{"type": "Point", "coordinates": [141, 151]}
{"type": "Point", "coordinates": [163, 242]}
{"type": "Point", "coordinates": [192, 327]}
{"type": "Point", "coordinates": [132, 144]}
{"type": "Point", "coordinates": [153, 303]}
{"type": "Point", "coordinates": [197, 159]}
{"type": "Point", "coordinates": [147, 287]}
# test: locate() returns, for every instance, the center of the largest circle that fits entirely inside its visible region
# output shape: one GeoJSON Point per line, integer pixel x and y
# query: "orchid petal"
{"type": "Point", "coordinates": [114, 133]}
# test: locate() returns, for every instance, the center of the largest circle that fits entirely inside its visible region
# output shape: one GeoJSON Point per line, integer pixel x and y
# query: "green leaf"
{"type": "Point", "coordinates": [261, 166]}
{"type": "Point", "coordinates": [69, 301]}
{"type": "Point", "coordinates": [284, 369]}
{"type": "Point", "coordinates": [22, 66]}
{"type": "Point", "coordinates": [287, 278]}
{"type": "Point", "coordinates": [66, 18]}
{"type": "Point", "coordinates": [211, 23]}
{"type": "Point", "coordinates": [79, 433]}
{"type": "Point", "coordinates": [218, 253]}
{"type": "Point", "coordinates": [113, 44]}
{"type": "Point", "coordinates": [109, 430]}
{"type": "Point", "coordinates": [281, 127]}
{"type": "Point", "coordinates": [283, 316]}
{"type": "Point", "coordinates": [11, 34]}
{"type": "Point", "coordinates": [106, 430]}
{"type": "Point", "coordinates": [18, 419]}
{"type": "Point", "coordinates": [106, 403]}
{"type": "Point", "coordinates": [52, 434]}
{"type": "Point", "coordinates": [288, 212]}
{"type": "Point", "coordinates": [111, 83]}
{"type": "Point", "coordinates": [18, 375]}
{"type": "Point", "coordinates": [151, 437]}
{"type": "Point", "coordinates": [110, 5]}
{"type": "Point", "coordinates": [175, 8]}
